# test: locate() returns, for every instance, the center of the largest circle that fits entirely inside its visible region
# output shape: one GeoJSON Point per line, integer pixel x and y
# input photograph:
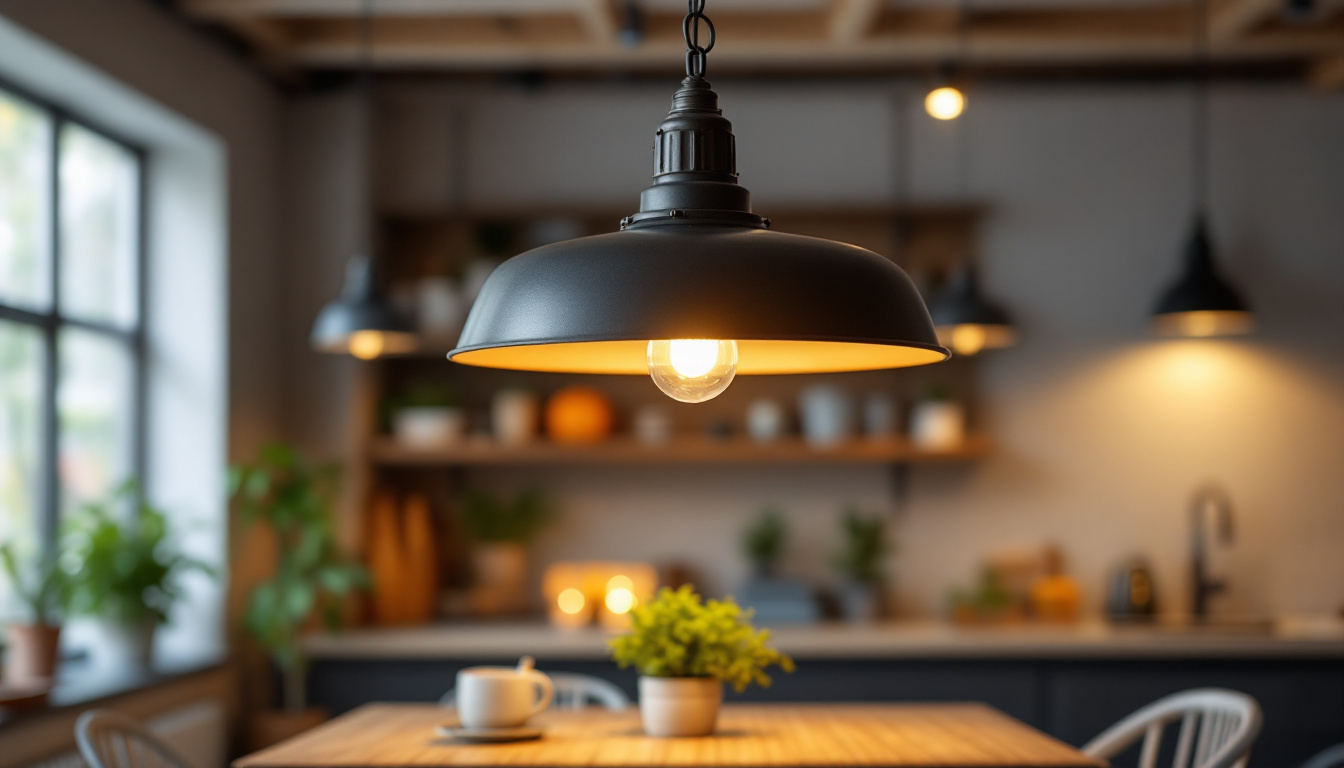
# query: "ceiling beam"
{"type": "Point", "coordinates": [852, 19]}
{"type": "Point", "coordinates": [1235, 18]}
{"type": "Point", "coordinates": [232, 9]}
{"type": "Point", "coordinates": [1327, 73]}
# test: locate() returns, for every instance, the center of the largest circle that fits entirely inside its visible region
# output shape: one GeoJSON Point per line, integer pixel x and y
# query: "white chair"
{"type": "Point", "coordinates": [109, 740]}
{"type": "Point", "coordinates": [1218, 729]}
{"type": "Point", "coordinates": [573, 691]}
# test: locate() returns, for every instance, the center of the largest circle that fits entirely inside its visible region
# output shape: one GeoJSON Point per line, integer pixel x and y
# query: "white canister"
{"type": "Point", "coordinates": [765, 421]}
{"type": "Point", "coordinates": [430, 426]}
{"type": "Point", "coordinates": [514, 416]}
{"type": "Point", "coordinates": [938, 425]}
{"type": "Point", "coordinates": [825, 414]}
{"type": "Point", "coordinates": [879, 416]}
{"type": "Point", "coordinates": [679, 706]}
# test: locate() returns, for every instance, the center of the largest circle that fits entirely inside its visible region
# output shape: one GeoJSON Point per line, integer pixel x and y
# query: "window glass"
{"type": "Point", "coordinates": [94, 407]}
{"type": "Point", "coordinates": [98, 212]}
{"type": "Point", "coordinates": [25, 194]}
{"type": "Point", "coordinates": [20, 442]}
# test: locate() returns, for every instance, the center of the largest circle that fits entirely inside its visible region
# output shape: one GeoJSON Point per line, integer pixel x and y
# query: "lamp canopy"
{"type": "Point", "coordinates": [1200, 302]}
{"type": "Point", "coordinates": [696, 263]}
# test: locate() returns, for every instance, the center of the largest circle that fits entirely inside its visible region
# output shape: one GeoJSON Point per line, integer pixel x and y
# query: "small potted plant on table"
{"type": "Point", "coordinates": [685, 650]}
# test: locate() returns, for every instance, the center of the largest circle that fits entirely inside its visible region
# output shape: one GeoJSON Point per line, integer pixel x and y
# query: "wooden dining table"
{"type": "Point", "coordinates": [749, 736]}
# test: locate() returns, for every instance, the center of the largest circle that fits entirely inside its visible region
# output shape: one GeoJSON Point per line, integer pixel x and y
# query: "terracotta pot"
{"type": "Point", "coordinates": [32, 653]}
{"type": "Point", "coordinates": [679, 706]}
{"type": "Point", "coordinates": [501, 577]}
{"type": "Point", "coordinates": [272, 726]}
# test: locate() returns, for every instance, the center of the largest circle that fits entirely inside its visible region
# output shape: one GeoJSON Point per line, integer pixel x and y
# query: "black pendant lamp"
{"type": "Point", "coordinates": [966, 320]}
{"type": "Point", "coordinates": [695, 288]}
{"type": "Point", "coordinates": [362, 322]}
{"type": "Point", "coordinates": [1200, 302]}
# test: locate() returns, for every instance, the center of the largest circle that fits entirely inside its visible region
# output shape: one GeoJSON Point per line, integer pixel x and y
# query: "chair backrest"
{"type": "Point", "coordinates": [109, 740]}
{"type": "Point", "coordinates": [1330, 757]}
{"type": "Point", "coordinates": [573, 691]}
{"type": "Point", "coordinates": [1218, 729]}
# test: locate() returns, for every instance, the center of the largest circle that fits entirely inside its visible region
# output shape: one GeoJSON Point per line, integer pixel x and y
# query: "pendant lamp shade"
{"type": "Point", "coordinates": [360, 322]}
{"type": "Point", "coordinates": [1201, 302]}
{"type": "Point", "coordinates": [696, 263]}
{"type": "Point", "coordinates": [967, 321]}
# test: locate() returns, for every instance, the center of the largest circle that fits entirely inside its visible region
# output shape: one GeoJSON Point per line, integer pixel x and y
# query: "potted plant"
{"type": "Point", "coordinates": [427, 415]}
{"type": "Point", "coordinates": [685, 649]}
{"type": "Point", "coordinates": [938, 422]}
{"type": "Point", "coordinates": [501, 529]}
{"type": "Point", "coordinates": [763, 543]}
{"type": "Point", "coordinates": [32, 647]}
{"type": "Point", "coordinates": [293, 498]}
{"type": "Point", "coordinates": [128, 573]}
{"type": "Point", "coordinates": [859, 563]}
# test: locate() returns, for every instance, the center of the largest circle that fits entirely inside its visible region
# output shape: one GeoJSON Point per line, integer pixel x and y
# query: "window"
{"type": "Point", "coordinates": [71, 338]}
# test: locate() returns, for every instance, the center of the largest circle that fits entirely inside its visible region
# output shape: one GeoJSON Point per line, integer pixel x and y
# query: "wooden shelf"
{"type": "Point", "coordinates": [479, 452]}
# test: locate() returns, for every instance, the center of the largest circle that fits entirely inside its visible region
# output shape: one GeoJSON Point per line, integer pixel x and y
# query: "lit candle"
{"type": "Point", "coordinates": [567, 603]}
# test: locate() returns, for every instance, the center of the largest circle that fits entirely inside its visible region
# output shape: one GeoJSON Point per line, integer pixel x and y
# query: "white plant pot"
{"type": "Point", "coordinates": [937, 425]}
{"type": "Point", "coordinates": [430, 427]}
{"type": "Point", "coordinates": [124, 648]}
{"type": "Point", "coordinates": [679, 706]}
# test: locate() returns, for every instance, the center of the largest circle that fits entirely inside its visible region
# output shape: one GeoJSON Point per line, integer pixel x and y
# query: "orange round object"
{"type": "Point", "coordinates": [579, 415]}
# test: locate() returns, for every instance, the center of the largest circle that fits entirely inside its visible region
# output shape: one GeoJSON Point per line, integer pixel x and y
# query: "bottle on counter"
{"type": "Point", "coordinates": [1055, 596]}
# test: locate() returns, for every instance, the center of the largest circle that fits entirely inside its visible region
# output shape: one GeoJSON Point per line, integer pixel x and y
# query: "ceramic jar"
{"type": "Point", "coordinates": [679, 706]}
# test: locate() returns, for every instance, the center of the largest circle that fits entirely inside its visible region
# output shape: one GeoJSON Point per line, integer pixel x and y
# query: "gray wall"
{"type": "Point", "coordinates": [1101, 432]}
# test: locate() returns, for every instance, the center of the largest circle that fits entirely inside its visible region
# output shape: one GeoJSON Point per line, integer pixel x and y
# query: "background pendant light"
{"type": "Point", "coordinates": [968, 322]}
{"type": "Point", "coordinates": [362, 322]}
{"type": "Point", "coordinates": [1200, 302]}
{"type": "Point", "coordinates": [695, 288]}
{"type": "Point", "coordinates": [947, 100]}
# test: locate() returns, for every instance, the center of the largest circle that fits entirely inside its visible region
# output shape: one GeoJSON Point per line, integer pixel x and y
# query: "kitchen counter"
{"type": "Point", "coordinates": [1285, 638]}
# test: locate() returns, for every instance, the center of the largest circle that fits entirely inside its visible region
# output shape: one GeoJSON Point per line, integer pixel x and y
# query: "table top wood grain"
{"type": "Point", "coordinates": [750, 736]}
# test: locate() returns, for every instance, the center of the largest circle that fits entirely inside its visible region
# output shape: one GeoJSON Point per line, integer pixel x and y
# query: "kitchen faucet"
{"type": "Point", "coordinates": [1203, 586]}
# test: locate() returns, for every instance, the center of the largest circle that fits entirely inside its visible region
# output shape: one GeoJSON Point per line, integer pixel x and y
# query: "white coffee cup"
{"type": "Point", "coordinates": [501, 697]}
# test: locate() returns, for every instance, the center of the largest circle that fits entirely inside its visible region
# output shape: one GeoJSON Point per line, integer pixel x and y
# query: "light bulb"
{"type": "Point", "coordinates": [944, 103]}
{"type": "Point", "coordinates": [968, 338]}
{"type": "Point", "coordinates": [366, 345]}
{"type": "Point", "coordinates": [692, 370]}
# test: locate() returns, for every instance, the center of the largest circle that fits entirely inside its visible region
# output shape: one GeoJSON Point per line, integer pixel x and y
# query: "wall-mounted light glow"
{"type": "Point", "coordinates": [571, 601]}
{"type": "Point", "coordinates": [692, 370]}
{"type": "Point", "coordinates": [945, 103]}
{"type": "Point", "coordinates": [620, 595]}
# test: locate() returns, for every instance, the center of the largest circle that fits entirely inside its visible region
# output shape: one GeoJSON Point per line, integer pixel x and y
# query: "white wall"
{"type": "Point", "coordinates": [1101, 432]}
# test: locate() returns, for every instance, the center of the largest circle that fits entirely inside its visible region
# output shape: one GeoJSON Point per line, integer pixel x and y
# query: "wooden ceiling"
{"type": "Point", "coordinates": [786, 36]}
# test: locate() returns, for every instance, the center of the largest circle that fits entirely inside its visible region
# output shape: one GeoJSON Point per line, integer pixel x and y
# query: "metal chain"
{"type": "Point", "coordinates": [690, 29]}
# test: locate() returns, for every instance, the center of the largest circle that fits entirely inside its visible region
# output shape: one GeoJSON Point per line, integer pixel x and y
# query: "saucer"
{"type": "Point", "coordinates": [489, 735]}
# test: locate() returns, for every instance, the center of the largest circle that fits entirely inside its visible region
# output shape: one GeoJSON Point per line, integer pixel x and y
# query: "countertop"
{"type": "Point", "coordinates": [1286, 637]}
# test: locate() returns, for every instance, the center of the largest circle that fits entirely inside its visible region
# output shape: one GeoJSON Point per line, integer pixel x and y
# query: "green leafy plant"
{"type": "Point", "coordinates": [294, 498]}
{"type": "Point", "coordinates": [763, 541]}
{"type": "Point", "coordinates": [45, 592]}
{"type": "Point", "coordinates": [494, 519]}
{"type": "Point", "coordinates": [128, 566]}
{"type": "Point", "coordinates": [677, 634]}
{"type": "Point", "coordinates": [865, 544]}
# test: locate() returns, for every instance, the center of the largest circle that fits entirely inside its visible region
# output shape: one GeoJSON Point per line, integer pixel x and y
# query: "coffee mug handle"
{"type": "Point", "coordinates": [547, 689]}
